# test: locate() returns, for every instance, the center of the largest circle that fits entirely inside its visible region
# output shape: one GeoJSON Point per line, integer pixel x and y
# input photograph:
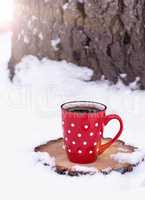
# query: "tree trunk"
{"type": "Point", "coordinates": [106, 35]}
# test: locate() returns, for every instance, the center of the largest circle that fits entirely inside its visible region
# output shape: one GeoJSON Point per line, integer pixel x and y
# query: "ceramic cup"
{"type": "Point", "coordinates": [83, 126]}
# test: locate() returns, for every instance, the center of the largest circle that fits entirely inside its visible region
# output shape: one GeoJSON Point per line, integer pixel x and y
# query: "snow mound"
{"type": "Point", "coordinates": [31, 70]}
{"type": "Point", "coordinates": [132, 158]}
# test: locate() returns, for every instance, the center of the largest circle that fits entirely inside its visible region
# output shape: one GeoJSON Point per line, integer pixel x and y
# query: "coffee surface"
{"type": "Point", "coordinates": [80, 109]}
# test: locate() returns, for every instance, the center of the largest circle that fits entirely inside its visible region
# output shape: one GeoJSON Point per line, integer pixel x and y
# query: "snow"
{"type": "Point", "coordinates": [40, 36]}
{"type": "Point", "coordinates": [122, 149]}
{"type": "Point", "coordinates": [79, 168]}
{"type": "Point", "coordinates": [34, 18]}
{"type": "Point", "coordinates": [123, 75]}
{"type": "Point", "coordinates": [132, 158]}
{"type": "Point", "coordinates": [81, 1]}
{"type": "Point", "coordinates": [65, 6]}
{"type": "Point", "coordinates": [134, 84]}
{"type": "Point", "coordinates": [55, 43]}
{"type": "Point", "coordinates": [26, 40]}
{"type": "Point", "coordinates": [45, 158]}
{"type": "Point", "coordinates": [30, 115]}
{"type": "Point", "coordinates": [35, 31]}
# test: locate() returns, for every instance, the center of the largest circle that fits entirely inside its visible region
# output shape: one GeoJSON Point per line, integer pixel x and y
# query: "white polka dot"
{"type": "Point", "coordinates": [69, 150]}
{"type": "Point", "coordinates": [72, 125]}
{"type": "Point", "coordinates": [90, 152]}
{"type": "Point", "coordinates": [73, 142]}
{"type": "Point", "coordinates": [79, 135]}
{"type": "Point", "coordinates": [66, 139]}
{"type": "Point", "coordinates": [91, 134]}
{"type": "Point", "coordinates": [95, 143]}
{"type": "Point", "coordinates": [86, 126]}
{"type": "Point", "coordinates": [97, 149]}
{"type": "Point", "coordinates": [69, 131]}
{"type": "Point", "coordinates": [100, 133]}
{"type": "Point", "coordinates": [79, 151]}
{"type": "Point", "coordinates": [84, 143]}
{"type": "Point", "coordinates": [96, 124]}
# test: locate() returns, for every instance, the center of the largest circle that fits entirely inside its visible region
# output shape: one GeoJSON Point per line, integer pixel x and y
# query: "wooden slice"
{"type": "Point", "coordinates": [105, 163]}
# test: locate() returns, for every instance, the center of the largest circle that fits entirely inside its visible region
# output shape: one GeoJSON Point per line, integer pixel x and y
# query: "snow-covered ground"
{"type": "Point", "coordinates": [30, 115]}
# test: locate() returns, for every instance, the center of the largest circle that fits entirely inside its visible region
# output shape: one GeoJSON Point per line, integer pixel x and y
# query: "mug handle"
{"type": "Point", "coordinates": [107, 119]}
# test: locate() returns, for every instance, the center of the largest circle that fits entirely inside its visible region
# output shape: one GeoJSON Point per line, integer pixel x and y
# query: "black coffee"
{"type": "Point", "coordinates": [78, 109]}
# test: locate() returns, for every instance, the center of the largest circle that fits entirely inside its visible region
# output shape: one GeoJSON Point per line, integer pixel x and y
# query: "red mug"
{"type": "Point", "coordinates": [83, 126]}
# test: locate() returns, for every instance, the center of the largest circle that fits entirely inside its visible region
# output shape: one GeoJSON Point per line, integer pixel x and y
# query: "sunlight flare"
{"type": "Point", "coordinates": [6, 12]}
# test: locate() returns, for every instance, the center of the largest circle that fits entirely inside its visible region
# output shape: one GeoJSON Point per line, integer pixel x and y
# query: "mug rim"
{"type": "Point", "coordinates": [94, 102]}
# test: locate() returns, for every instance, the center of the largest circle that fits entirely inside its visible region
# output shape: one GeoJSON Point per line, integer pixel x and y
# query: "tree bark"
{"type": "Point", "coordinates": [106, 35]}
